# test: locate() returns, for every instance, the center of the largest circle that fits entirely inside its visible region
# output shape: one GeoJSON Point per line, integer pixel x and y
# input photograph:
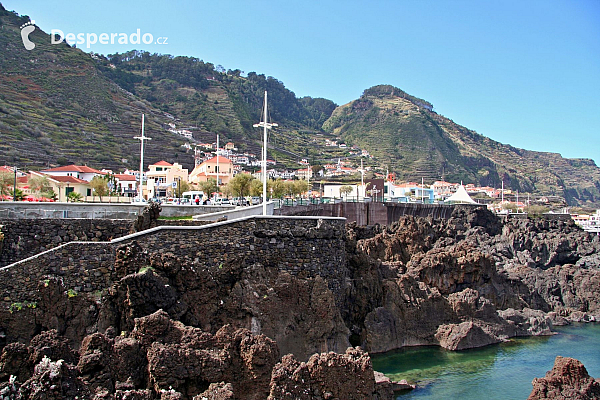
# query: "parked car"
{"type": "Point", "coordinates": [137, 200]}
{"type": "Point", "coordinates": [239, 201]}
{"type": "Point", "coordinates": [255, 200]}
{"type": "Point", "coordinates": [221, 201]}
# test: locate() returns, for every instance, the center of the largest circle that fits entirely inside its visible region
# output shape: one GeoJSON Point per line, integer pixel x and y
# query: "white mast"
{"type": "Point", "coordinates": [308, 181]}
{"type": "Point", "coordinates": [362, 178]}
{"type": "Point", "coordinates": [218, 164]}
{"type": "Point", "coordinates": [266, 126]}
{"type": "Point", "coordinates": [141, 138]}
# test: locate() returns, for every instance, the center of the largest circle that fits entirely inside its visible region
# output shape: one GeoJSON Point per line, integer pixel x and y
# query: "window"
{"type": "Point", "coordinates": [159, 168]}
{"type": "Point", "coordinates": [89, 192]}
{"type": "Point", "coordinates": [68, 190]}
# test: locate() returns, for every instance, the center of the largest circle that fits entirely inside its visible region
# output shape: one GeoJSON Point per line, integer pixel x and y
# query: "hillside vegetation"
{"type": "Point", "coordinates": [407, 136]}
{"type": "Point", "coordinates": [60, 105]}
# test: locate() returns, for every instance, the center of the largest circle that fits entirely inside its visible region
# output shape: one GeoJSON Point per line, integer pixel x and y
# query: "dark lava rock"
{"type": "Point", "coordinates": [568, 379]}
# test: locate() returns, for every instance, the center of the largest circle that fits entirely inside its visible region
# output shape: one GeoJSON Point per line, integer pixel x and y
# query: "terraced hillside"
{"type": "Point", "coordinates": [60, 105]}
{"type": "Point", "coordinates": [57, 108]}
{"type": "Point", "coordinates": [405, 134]}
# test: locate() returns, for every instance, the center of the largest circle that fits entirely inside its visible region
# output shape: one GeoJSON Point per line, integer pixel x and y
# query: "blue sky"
{"type": "Point", "coordinates": [526, 73]}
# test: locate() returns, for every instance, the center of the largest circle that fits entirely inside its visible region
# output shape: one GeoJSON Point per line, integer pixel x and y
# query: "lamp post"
{"type": "Point", "coordinates": [217, 171]}
{"type": "Point", "coordinates": [141, 138]}
{"type": "Point", "coordinates": [264, 124]}
{"type": "Point", "coordinates": [15, 186]}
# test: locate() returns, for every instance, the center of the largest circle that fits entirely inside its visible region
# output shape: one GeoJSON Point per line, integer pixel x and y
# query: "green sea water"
{"type": "Point", "coordinates": [502, 371]}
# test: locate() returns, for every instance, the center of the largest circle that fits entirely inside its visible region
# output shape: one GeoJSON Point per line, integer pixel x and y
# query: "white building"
{"type": "Point", "coordinates": [78, 171]}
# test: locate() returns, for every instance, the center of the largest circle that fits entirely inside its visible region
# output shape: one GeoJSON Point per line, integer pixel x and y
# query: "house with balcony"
{"type": "Point", "coordinates": [218, 168]}
{"type": "Point", "coordinates": [126, 184]}
{"type": "Point", "coordinates": [163, 178]}
{"type": "Point", "coordinates": [304, 173]}
{"type": "Point", "coordinates": [62, 185]}
{"type": "Point", "coordinates": [78, 171]}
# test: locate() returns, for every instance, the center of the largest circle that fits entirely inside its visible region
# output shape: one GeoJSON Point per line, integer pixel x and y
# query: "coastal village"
{"type": "Point", "coordinates": [334, 181]}
{"type": "Point", "coordinates": [340, 258]}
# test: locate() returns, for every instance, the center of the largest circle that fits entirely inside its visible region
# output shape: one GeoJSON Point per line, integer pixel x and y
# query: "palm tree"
{"type": "Point", "coordinates": [74, 197]}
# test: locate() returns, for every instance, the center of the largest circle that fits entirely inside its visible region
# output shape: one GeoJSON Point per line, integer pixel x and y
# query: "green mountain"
{"type": "Point", "coordinates": [60, 105]}
{"type": "Point", "coordinates": [406, 135]}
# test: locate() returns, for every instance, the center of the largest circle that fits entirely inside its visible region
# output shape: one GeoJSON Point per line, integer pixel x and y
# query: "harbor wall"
{"type": "Point", "coordinates": [293, 244]}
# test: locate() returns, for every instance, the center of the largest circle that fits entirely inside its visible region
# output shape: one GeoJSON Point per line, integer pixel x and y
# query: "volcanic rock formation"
{"type": "Point", "coordinates": [568, 379]}
{"type": "Point", "coordinates": [175, 328]}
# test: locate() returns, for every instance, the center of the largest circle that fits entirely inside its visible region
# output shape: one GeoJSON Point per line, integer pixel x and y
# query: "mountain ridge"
{"type": "Point", "coordinates": [414, 141]}
{"type": "Point", "coordinates": [59, 105]}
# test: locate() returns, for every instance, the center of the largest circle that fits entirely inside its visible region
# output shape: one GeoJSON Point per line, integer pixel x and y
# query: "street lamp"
{"type": "Point", "coordinates": [15, 186]}
{"type": "Point", "coordinates": [264, 124]}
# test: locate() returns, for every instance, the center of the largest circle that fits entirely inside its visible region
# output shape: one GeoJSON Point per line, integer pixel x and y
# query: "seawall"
{"type": "Point", "coordinates": [24, 210]}
{"type": "Point", "coordinates": [294, 244]}
{"type": "Point", "coordinates": [372, 213]}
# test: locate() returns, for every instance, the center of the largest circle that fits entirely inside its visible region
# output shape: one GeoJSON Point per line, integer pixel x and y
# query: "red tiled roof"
{"type": "Point", "coordinates": [163, 164]}
{"type": "Point", "coordinates": [73, 168]}
{"type": "Point", "coordinates": [67, 179]}
{"type": "Point", "coordinates": [221, 160]}
{"type": "Point", "coordinates": [125, 177]}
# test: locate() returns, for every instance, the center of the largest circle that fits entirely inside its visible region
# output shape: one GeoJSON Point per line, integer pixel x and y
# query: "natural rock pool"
{"type": "Point", "coordinates": [502, 371]}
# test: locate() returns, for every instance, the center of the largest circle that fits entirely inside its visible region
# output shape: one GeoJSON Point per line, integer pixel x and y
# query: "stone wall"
{"type": "Point", "coordinates": [27, 210]}
{"type": "Point", "coordinates": [25, 238]}
{"type": "Point", "coordinates": [369, 213]}
{"type": "Point", "coordinates": [372, 213]}
{"type": "Point", "coordinates": [308, 245]}
{"type": "Point", "coordinates": [397, 210]}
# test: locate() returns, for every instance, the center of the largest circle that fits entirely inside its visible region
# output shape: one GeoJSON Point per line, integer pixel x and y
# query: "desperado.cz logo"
{"type": "Point", "coordinates": [26, 29]}
{"type": "Point", "coordinates": [58, 36]}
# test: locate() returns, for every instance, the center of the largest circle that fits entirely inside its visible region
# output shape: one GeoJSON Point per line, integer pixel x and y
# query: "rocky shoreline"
{"type": "Point", "coordinates": [174, 330]}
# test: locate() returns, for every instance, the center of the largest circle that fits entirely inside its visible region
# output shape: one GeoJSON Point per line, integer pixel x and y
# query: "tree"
{"type": "Point", "coordinates": [74, 197]}
{"type": "Point", "coordinates": [316, 169]}
{"type": "Point", "coordinates": [6, 182]}
{"type": "Point", "coordinates": [241, 184]}
{"type": "Point", "coordinates": [19, 195]}
{"type": "Point", "coordinates": [345, 191]}
{"type": "Point", "coordinates": [299, 187]}
{"type": "Point", "coordinates": [256, 187]}
{"type": "Point", "coordinates": [40, 185]}
{"type": "Point", "coordinates": [99, 185]}
{"type": "Point", "coordinates": [209, 186]}
{"type": "Point", "coordinates": [277, 188]}
{"type": "Point", "coordinates": [227, 190]}
{"type": "Point", "coordinates": [512, 207]}
{"type": "Point", "coordinates": [184, 186]}
{"type": "Point", "coordinates": [535, 210]}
